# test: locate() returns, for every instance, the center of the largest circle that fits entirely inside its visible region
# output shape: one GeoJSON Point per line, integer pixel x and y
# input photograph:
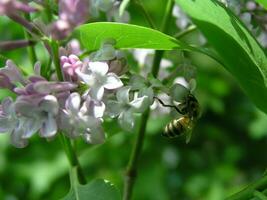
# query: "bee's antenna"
{"type": "Point", "coordinates": [171, 106]}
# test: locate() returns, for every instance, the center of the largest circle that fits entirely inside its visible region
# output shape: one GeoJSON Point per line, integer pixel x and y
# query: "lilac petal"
{"type": "Point", "coordinates": [73, 59]}
{"type": "Point", "coordinates": [29, 89]}
{"type": "Point", "coordinates": [5, 82]}
{"type": "Point", "coordinates": [114, 108]}
{"type": "Point", "coordinates": [140, 104]}
{"type": "Point", "coordinates": [73, 102]}
{"type": "Point", "coordinates": [76, 12]}
{"type": "Point", "coordinates": [36, 78]}
{"type": "Point", "coordinates": [94, 136]}
{"type": "Point", "coordinates": [97, 92]}
{"type": "Point", "coordinates": [126, 120]}
{"type": "Point", "coordinates": [23, 7]}
{"type": "Point", "coordinates": [87, 78]}
{"type": "Point", "coordinates": [53, 87]}
{"type": "Point", "coordinates": [49, 128]}
{"type": "Point", "coordinates": [113, 82]}
{"type": "Point", "coordinates": [64, 122]}
{"type": "Point", "coordinates": [137, 82]}
{"type": "Point", "coordinates": [37, 68]}
{"type": "Point", "coordinates": [98, 67]}
{"type": "Point", "coordinates": [31, 126]}
{"type": "Point", "coordinates": [63, 60]}
{"type": "Point", "coordinates": [11, 6]}
{"type": "Point", "coordinates": [147, 92]}
{"type": "Point", "coordinates": [12, 72]}
{"type": "Point", "coordinates": [20, 91]}
{"type": "Point", "coordinates": [62, 97]}
{"type": "Point", "coordinates": [99, 110]}
{"type": "Point", "coordinates": [89, 122]}
{"type": "Point", "coordinates": [7, 124]}
{"type": "Point", "coordinates": [16, 138]}
{"type": "Point", "coordinates": [123, 95]}
{"type": "Point", "coordinates": [7, 107]}
{"type": "Point", "coordinates": [49, 104]}
{"type": "Point", "coordinates": [27, 107]}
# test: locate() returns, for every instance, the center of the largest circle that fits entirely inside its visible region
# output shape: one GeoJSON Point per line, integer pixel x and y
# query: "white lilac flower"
{"type": "Point", "coordinates": [182, 21]}
{"type": "Point", "coordinates": [97, 77]}
{"type": "Point", "coordinates": [83, 119]}
{"type": "Point", "coordinates": [145, 87]}
{"type": "Point", "coordinates": [124, 108]}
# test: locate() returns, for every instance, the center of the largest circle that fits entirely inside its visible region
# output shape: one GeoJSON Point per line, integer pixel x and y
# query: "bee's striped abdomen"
{"type": "Point", "coordinates": [174, 129]}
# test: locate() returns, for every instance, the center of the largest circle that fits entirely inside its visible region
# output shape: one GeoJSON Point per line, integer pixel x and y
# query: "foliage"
{"type": "Point", "coordinates": [228, 146]}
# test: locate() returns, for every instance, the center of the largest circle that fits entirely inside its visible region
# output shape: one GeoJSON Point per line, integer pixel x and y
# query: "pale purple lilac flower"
{"type": "Point", "coordinates": [71, 14]}
{"type": "Point", "coordinates": [36, 107]}
{"type": "Point", "coordinates": [72, 47]}
{"type": "Point", "coordinates": [9, 7]}
{"type": "Point", "coordinates": [41, 112]}
{"type": "Point", "coordinates": [97, 77]}
{"type": "Point", "coordinates": [12, 74]}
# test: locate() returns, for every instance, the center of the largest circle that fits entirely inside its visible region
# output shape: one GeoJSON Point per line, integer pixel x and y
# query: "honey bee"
{"type": "Point", "coordinates": [190, 111]}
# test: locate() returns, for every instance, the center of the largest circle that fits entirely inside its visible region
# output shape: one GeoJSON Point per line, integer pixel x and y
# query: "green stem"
{"type": "Point", "coordinates": [30, 49]}
{"type": "Point", "coordinates": [181, 34]}
{"type": "Point", "coordinates": [259, 195]}
{"type": "Point", "coordinates": [146, 14]}
{"type": "Point", "coordinates": [132, 168]}
{"type": "Point", "coordinates": [247, 193]}
{"type": "Point", "coordinates": [166, 18]}
{"type": "Point", "coordinates": [55, 54]}
{"type": "Point", "coordinates": [70, 152]}
{"type": "Point", "coordinates": [72, 157]}
{"type": "Point", "coordinates": [131, 171]}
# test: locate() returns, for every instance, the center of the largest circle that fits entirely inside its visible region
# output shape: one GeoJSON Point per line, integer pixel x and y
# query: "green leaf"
{"type": "Point", "coordinates": [263, 3]}
{"type": "Point", "coordinates": [98, 189]}
{"type": "Point", "coordinates": [127, 36]}
{"type": "Point", "coordinates": [241, 54]}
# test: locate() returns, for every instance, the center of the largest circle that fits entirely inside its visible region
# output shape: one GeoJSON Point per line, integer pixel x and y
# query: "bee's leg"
{"type": "Point", "coordinates": [171, 106]}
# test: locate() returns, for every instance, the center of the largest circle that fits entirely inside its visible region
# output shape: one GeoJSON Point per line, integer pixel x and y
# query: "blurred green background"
{"type": "Point", "coordinates": [227, 150]}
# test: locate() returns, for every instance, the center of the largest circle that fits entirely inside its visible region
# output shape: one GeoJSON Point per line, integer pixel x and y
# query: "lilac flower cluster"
{"type": "Point", "coordinates": [253, 16]}
{"type": "Point", "coordinates": [36, 107]}
{"type": "Point", "coordinates": [91, 90]}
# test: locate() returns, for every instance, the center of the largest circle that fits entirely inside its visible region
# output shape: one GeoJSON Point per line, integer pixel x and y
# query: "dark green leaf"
{"type": "Point", "coordinates": [241, 53]}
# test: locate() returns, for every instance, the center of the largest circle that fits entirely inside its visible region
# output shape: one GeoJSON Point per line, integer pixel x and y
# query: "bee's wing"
{"type": "Point", "coordinates": [188, 134]}
{"type": "Point", "coordinates": [178, 92]}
